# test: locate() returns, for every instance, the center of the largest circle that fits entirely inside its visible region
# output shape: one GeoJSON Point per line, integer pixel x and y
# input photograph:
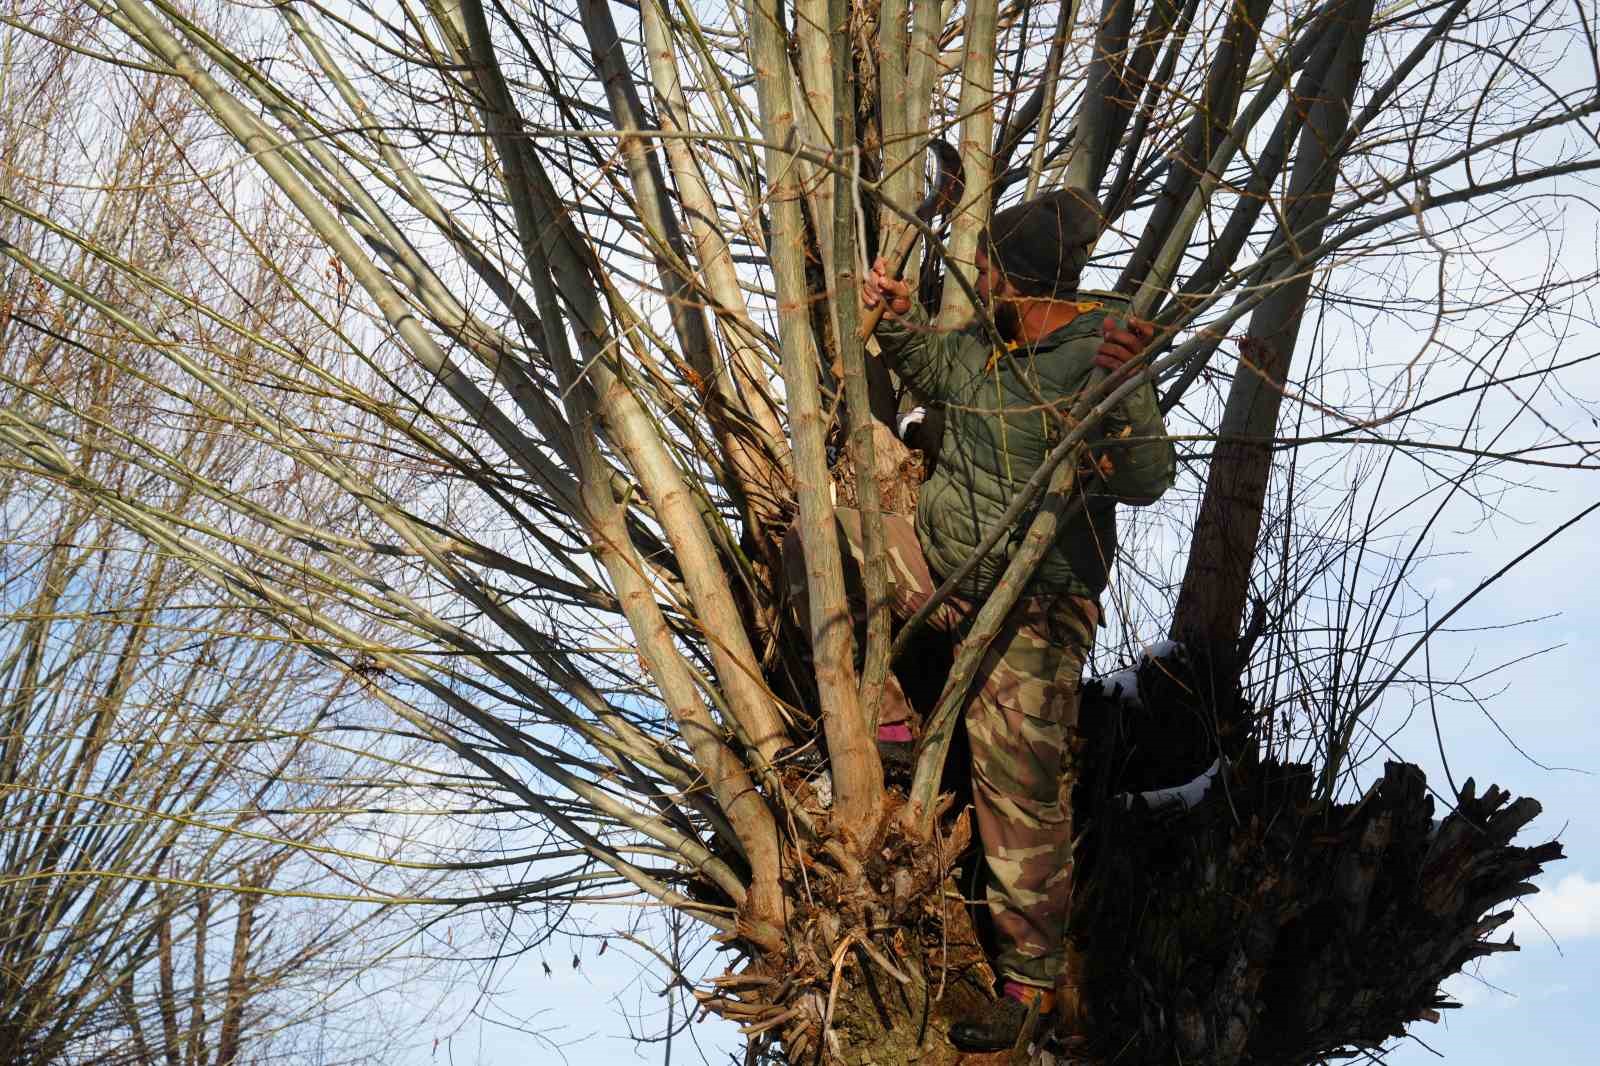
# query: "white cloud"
{"type": "Point", "coordinates": [1569, 911]}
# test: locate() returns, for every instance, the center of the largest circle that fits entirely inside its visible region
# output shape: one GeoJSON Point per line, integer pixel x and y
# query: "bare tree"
{"type": "Point", "coordinates": [595, 271]}
{"type": "Point", "coordinates": [189, 873]}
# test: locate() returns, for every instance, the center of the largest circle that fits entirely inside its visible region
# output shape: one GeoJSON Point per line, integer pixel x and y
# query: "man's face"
{"type": "Point", "coordinates": [996, 294]}
{"type": "Point", "coordinates": [990, 283]}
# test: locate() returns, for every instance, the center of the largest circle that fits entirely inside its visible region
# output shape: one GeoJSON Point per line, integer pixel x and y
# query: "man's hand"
{"type": "Point", "coordinates": [878, 287]}
{"type": "Point", "coordinates": [1120, 343]}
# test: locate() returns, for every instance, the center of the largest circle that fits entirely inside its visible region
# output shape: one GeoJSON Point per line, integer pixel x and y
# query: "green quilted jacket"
{"type": "Point", "coordinates": [996, 434]}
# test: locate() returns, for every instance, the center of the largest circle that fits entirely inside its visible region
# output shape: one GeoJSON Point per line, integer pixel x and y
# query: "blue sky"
{"type": "Point", "coordinates": [1535, 1006]}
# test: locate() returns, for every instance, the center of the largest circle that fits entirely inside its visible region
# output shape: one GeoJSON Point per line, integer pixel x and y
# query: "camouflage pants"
{"type": "Point", "coordinates": [1020, 717]}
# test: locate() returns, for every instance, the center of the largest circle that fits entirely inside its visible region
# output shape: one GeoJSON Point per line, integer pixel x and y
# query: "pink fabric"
{"type": "Point", "coordinates": [894, 732]}
{"type": "Point", "coordinates": [1022, 993]}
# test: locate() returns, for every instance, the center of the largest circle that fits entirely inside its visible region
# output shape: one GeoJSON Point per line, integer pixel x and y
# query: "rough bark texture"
{"type": "Point", "coordinates": [1259, 928]}
{"type": "Point", "coordinates": [1262, 927]}
{"type": "Point", "coordinates": [879, 959]}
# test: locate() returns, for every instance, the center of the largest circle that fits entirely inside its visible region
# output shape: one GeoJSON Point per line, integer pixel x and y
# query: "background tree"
{"type": "Point", "coordinates": [194, 864]}
{"type": "Point", "coordinates": [591, 271]}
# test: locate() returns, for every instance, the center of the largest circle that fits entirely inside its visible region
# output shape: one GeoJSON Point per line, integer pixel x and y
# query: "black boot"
{"type": "Point", "coordinates": [897, 743]}
{"type": "Point", "coordinates": [996, 1029]}
{"type": "Point", "coordinates": [899, 758]}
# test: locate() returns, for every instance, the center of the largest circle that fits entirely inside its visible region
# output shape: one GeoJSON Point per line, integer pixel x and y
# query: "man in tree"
{"type": "Point", "coordinates": [1005, 409]}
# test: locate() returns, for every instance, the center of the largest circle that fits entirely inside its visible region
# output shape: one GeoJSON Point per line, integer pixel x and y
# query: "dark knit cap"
{"type": "Point", "coordinates": [1042, 244]}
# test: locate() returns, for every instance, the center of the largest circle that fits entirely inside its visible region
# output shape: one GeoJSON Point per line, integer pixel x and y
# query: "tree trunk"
{"type": "Point", "coordinates": [877, 1020]}
{"type": "Point", "coordinates": [891, 944]}
{"type": "Point", "coordinates": [1262, 928]}
{"type": "Point", "coordinates": [1253, 925]}
{"type": "Point", "coordinates": [1217, 581]}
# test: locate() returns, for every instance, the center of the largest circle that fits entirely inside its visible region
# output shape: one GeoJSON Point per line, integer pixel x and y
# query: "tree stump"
{"type": "Point", "coordinates": [1263, 927]}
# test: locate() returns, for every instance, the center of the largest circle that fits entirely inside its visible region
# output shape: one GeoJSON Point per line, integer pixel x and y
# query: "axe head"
{"type": "Point", "coordinates": [949, 181]}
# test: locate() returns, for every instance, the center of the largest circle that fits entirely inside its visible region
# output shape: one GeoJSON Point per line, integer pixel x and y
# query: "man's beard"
{"type": "Point", "coordinates": [1007, 319]}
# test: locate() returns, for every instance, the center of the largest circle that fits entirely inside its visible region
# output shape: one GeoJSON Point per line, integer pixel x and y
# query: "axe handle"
{"type": "Point", "coordinates": [897, 266]}
{"type": "Point", "coordinates": [948, 188]}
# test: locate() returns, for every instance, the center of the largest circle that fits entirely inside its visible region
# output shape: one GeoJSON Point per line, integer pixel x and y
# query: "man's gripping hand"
{"type": "Point", "coordinates": [1122, 342]}
{"type": "Point", "coordinates": [878, 287]}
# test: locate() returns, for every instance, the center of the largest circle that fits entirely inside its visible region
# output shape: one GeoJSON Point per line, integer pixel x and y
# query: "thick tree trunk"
{"type": "Point", "coordinates": [1262, 928]}
{"type": "Point", "coordinates": [878, 959]}
{"type": "Point", "coordinates": [1217, 581]}
{"type": "Point", "coordinates": [877, 1020]}
{"type": "Point", "coordinates": [1255, 926]}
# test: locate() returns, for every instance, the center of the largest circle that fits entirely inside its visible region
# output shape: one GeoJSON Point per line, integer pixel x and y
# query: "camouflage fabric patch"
{"type": "Point", "coordinates": [1020, 725]}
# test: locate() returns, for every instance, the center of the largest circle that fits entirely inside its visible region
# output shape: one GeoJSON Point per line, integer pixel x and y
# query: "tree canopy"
{"type": "Point", "coordinates": [531, 331]}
